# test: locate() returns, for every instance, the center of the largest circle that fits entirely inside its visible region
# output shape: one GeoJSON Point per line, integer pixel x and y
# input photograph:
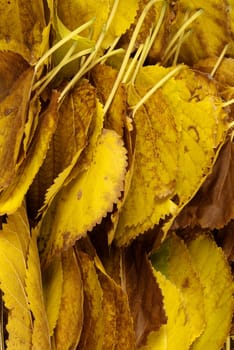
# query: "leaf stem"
{"type": "Point", "coordinates": [160, 83]}
{"type": "Point", "coordinates": [219, 60]}
{"type": "Point", "coordinates": [128, 53]}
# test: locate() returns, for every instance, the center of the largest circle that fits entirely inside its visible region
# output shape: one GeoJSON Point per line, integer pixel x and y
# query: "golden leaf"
{"type": "Point", "coordinates": [13, 114]}
{"type": "Point", "coordinates": [175, 146]}
{"type": "Point", "coordinates": [82, 203]}
{"type": "Point", "coordinates": [174, 261]}
{"type": "Point", "coordinates": [23, 28]}
{"type": "Point", "coordinates": [14, 244]}
{"type": "Point", "coordinates": [70, 322]}
{"type": "Point", "coordinates": [216, 280]}
{"type": "Point", "coordinates": [12, 197]}
{"type": "Point", "coordinates": [40, 332]}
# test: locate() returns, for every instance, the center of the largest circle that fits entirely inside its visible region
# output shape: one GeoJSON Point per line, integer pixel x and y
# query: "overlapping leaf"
{"type": "Point", "coordinates": [23, 28]}
{"type": "Point", "coordinates": [83, 203]}
{"type": "Point", "coordinates": [15, 93]}
{"type": "Point", "coordinates": [174, 262]}
{"type": "Point", "coordinates": [217, 284]}
{"type": "Point", "coordinates": [12, 197]}
{"type": "Point", "coordinates": [20, 277]}
{"type": "Point", "coordinates": [162, 171]}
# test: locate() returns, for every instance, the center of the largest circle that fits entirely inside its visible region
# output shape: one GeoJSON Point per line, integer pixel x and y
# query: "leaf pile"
{"type": "Point", "coordinates": [117, 170]}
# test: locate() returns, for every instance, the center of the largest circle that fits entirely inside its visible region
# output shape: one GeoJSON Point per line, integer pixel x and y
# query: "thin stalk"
{"type": "Point", "coordinates": [219, 61]}
{"type": "Point", "coordinates": [180, 41]}
{"type": "Point", "coordinates": [128, 53]}
{"type": "Point", "coordinates": [111, 48]}
{"type": "Point", "coordinates": [173, 50]}
{"type": "Point", "coordinates": [155, 88]}
{"type": "Point", "coordinates": [63, 41]}
{"type": "Point", "coordinates": [228, 103]}
{"type": "Point", "coordinates": [132, 64]}
{"type": "Point", "coordinates": [181, 30]}
{"type": "Point", "coordinates": [93, 54]}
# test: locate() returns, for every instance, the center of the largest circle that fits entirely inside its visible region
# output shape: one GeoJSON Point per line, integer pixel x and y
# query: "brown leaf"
{"type": "Point", "coordinates": [70, 321]}
{"type": "Point", "coordinates": [213, 205]}
{"type": "Point", "coordinates": [145, 296]}
{"type": "Point", "coordinates": [92, 335]}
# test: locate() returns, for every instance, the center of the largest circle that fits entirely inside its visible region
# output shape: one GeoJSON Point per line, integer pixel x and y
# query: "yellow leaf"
{"type": "Point", "coordinates": [70, 322]}
{"type": "Point", "coordinates": [176, 337]}
{"type": "Point", "coordinates": [122, 20]}
{"type": "Point", "coordinates": [83, 203]}
{"type": "Point", "coordinates": [52, 279]}
{"type": "Point", "coordinates": [40, 333]}
{"type": "Point", "coordinates": [216, 280]}
{"type": "Point", "coordinates": [13, 114]}
{"type": "Point", "coordinates": [175, 146]}
{"type": "Point", "coordinates": [74, 13]}
{"type": "Point", "coordinates": [14, 243]}
{"type": "Point", "coordinates": [12, 197]}
{"type": "Point", "coordinates": [174, 261]}
{"type": "Point", "coordinates": [23, 28]}
{"type": "Point", "coordinates": [92, 335]}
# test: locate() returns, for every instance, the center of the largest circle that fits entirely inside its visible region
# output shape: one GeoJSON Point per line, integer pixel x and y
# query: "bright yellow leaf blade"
{"type": "Point", "coordinates": [70, 322]}
{"type": "Point", "coordinates": [14, 242]}
{"type": "Point", "coordinates": [12, 197]}
{"type": "Point", "coordinates": [175, 309]}
{"type": "Point", "coordinates": [216, 279]}
{"type": "Point", "coordinates": [174, 261]}
{"type": "Point", "coordinates": [86, 200]}
{"type": "Point", "coordinates": [40, 333]}
{"type": "Point", "coordinates": [175, 146]}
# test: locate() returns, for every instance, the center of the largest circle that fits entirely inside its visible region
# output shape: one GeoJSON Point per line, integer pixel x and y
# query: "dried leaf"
{"type": "Point", "coordinates": [14, 244]}
{"type": "Point", "coordinates": [40, 332]}
{"type": "Point", "coordinates": [52, 279]}
{"type": "Point", "coordinates": [174, 262]}
{"type": "Point", "coordinates": [92, 335]}
{"type": "Point", "coordinates": [82, 204]}
{"type": "Point", "coordinates": [12, 197]}
{"type": "Point", "coordinates": [23, 28]}
{"type": "Point", "coordinates": [216, 279]}
{"type": "Point", "coordinates": [68, 141]}
{"type": "Point", "coordinates": [144, 294]}
{"type": "Point", "coordinates": [118, 323]}
{"type": "Point", "coordinates": [13, 114]}
{"type": "Point", "coordinates": [165, 177]}
{"type": "Point", "coordinates": [70, 322]}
